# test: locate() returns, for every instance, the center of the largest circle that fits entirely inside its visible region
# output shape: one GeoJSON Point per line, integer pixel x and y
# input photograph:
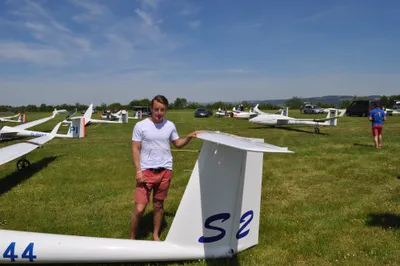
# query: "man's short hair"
{"type": "Point", "coordinates": [161, 99]}
{"type": "Point", "coordinates": [377, 104]}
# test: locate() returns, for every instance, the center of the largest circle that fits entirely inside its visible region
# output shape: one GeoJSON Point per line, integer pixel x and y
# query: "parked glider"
{"type": "Point", "coordinates": [123, 119]}
{"type": "Point", "coordinates": [284, 111]}
{"type": "Point", "coordinates": [15, 151]}
{"type": "Point", "coordinates": [280, 120]}
{"type": "Point", "coordinates": [77, 129]}
{"type": "Point", "coordinates": [242, 114]}
{"type": "Point", "coordinates": [18, 118]}
{"type": "Point", "coordinates": [120, 115]}
{"type": "Point", "coordinates": [205, 226]}
{"type": "Point", "coordinates": [7, 132]}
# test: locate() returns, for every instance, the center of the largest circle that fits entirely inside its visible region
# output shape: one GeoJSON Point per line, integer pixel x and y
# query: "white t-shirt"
{"type": "Point", "coordinates": [155, 138]}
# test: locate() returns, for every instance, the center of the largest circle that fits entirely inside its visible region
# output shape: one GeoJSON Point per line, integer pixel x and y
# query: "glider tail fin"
{"type": "Point", "coordinates": [88, 113]}
{"type": "Point", "coordinates": [22, 118]}
{"type": "Point", "coordinates": [55, 129]}
{"type": "Point", "coordinates": [258, 111]}
{"type": "Point", "coordinates": [285, 111]}
{"type": "Point", "coordinates": [333, 114]}
{"type": "Point", "coordinates": [220, 208]}
{"type": "Point", "coordinates": [77, 128]}
{"type": "Point", "coordinates": [123, 116]}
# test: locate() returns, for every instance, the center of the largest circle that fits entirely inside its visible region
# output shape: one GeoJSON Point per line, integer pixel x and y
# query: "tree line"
{"type": "Point", "coordinates": [179, 103]}
{"type": "Point", "coordinates": [386, 101]}
{"type": "Point", "coordinates": [183, 103]}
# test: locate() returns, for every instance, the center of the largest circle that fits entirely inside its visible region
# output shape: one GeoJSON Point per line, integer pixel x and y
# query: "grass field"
{"type": "Point", "coordinates": [334, 201]}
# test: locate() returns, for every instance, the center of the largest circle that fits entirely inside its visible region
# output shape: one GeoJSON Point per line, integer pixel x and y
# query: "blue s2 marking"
{"type": "Point", "coordinates": [246, 218]}
{"type": "Point", "coordinates": [209, 220]}
{"type": "Point", "coordinates": [241, 234]}
{"type": "Point", "coordinates": [9, 253]}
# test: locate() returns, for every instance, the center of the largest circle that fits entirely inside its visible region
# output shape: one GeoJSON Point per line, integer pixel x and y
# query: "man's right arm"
{"type": "Point", "coordinates": [136, 147]}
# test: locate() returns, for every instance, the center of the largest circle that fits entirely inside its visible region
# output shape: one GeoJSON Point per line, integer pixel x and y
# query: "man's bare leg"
{"type": "Point", "coordinates": [158, 215]}
{"type": "Point", "coordinates": [135, 219]}
{"type": "Point", "coordinates": [376, 142]}
{"type": "Point", "coordinates": [380, 141]}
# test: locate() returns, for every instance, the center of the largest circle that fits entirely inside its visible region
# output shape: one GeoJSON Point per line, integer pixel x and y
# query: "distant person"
{"type": "Point", "coordinates": [377, 116]}
{"type": "Point", "coordinates": [151, 152]}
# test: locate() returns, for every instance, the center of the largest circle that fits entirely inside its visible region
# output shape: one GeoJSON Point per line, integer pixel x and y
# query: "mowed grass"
{"type": "Point", "coordinates": [334, 201]}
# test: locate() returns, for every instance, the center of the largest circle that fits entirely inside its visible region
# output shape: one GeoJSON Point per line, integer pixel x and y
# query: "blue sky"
{"type": "Point", "coordinates": [69, 51]}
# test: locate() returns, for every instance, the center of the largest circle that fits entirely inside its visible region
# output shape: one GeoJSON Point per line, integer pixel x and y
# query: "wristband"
{"type": "Point", "coordinates": [139, 171]}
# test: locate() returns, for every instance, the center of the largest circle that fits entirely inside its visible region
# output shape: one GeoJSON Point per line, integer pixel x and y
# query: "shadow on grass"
{"type": "Point", "coordinates": [364, 145]}
{"type": "Point", "coordinates": [291, 129]}
{"type": "Point", "coordinates": [146, 225]}
{"type": "Point", "coordinates": [212, 262]}
{"type": "Point", "coordinates": [384, 220]}
{"type": "Point", "coordinates": [17, 177]}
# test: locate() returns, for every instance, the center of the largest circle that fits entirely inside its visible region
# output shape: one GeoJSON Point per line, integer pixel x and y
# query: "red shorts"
{"type": "Point", "coordinates": [156, 182]}
{"type": "Point", "coordinates": [377, 130]}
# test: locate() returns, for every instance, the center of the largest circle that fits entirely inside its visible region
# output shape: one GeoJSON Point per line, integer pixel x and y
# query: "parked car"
{"type": "Point", "coordinates": [312, 109]}
{"type": "Point", "coordinates": [360, 107]}
{"type": "Point", "coordinates": [201, 112]}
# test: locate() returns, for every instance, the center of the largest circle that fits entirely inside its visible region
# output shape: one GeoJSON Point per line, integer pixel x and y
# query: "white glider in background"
{"type": "Point", "coordinates": [120, 115]}
{"type": "Point", "coordinates": [15, 151]}
{"type": "Point", "coordinates": [206, 225]}
{"type": "Point", "coordinates": [284, 111]}
{"type": "Point", "coordinates": [77, 129]}
{"type": "Point", "coordinates": [40, 121]}
{"type": "Point", "coordinates": [18, 118]}
{"type": "Point", "coordinates": [242, 114]}
{"type": "Point", "coordinates": [280, 120]}
{"type": "Point", "coordinates": [123, 118]}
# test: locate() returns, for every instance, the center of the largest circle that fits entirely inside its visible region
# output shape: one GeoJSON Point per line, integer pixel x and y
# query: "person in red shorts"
{"type": "Point", "coordinates": [151, 152]}
{"type": "Point", "coordinates": [377, 116]}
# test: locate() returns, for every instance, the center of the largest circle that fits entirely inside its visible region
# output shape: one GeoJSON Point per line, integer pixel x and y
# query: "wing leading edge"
{"type": "Point", "coordinates": [240, 142]}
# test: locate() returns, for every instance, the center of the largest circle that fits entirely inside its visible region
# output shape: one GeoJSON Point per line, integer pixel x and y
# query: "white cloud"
{"type": "Point", "coordinates": [93, 10]}
{"type": "Point", "coordinates": [35, 9]}
{"type": "Point", "coordinates": [195, 24]}
{"type": "Point", "coordinates": [32, 53]}
{"type": "Point", "coordinates": [150, 3]}
{"type": "Point", "coordinates": [36, 26]}
{"type": "Point", "coordinates": [188, 8]}
{"type": "Point", "coordinates": [335, 11]}
{"type": "Point", "coordinates": [146, 17]}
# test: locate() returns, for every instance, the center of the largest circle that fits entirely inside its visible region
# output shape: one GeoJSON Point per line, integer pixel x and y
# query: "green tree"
{"type": "Point", "coordinates": [344, 104]}
{"type": "Point", "coordinates": [180, 103]}
{"type": "Point", "coordinates": [115, 106]}
{"type": "Point", "coordinates": [294, 102]}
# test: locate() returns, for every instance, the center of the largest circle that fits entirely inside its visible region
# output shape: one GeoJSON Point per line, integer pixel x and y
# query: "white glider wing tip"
{"type": "Point", "coordinates": [15, 151]}
{"type": "Point", "coordinates": [62, 111]}
{"type": "Point", "coordinates": [239, 142]}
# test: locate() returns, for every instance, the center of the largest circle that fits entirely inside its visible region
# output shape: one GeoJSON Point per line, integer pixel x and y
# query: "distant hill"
{"type": "Point", "coordinates": [329, 99]}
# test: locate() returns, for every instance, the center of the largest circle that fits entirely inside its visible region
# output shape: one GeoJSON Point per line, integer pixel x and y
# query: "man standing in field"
{"type": "Point", "coordinates": [152, 158]}
{"type": "Point", "coordinates": [377, 116]}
